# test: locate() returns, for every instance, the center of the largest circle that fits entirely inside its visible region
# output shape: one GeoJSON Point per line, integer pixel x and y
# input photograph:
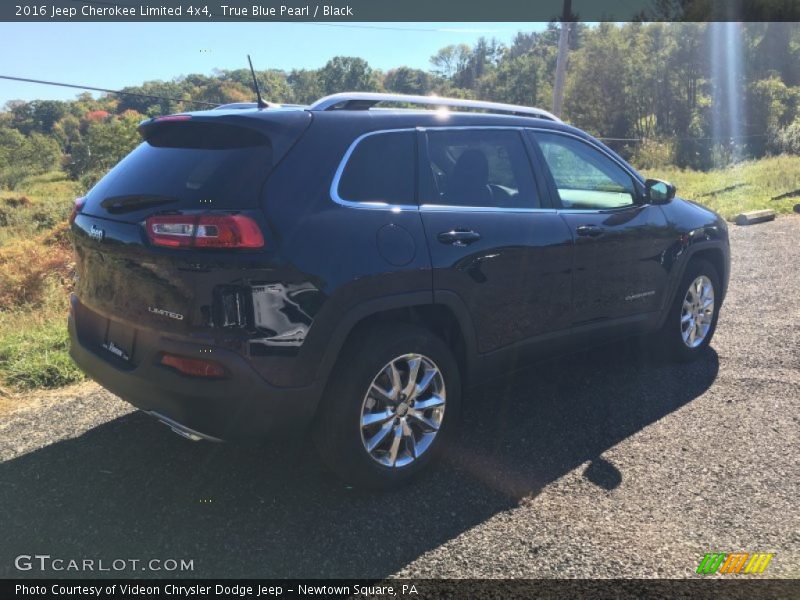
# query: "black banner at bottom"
{"type": "Point", "coordinates": [129, 589]}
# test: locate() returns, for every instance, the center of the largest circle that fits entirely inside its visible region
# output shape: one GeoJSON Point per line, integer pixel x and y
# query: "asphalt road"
{"type": "Point", "coordinates": [603, 464]}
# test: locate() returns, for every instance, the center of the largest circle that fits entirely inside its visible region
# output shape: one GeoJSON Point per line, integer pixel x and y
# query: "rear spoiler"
{"type": "Point", "coordinates": [234, 128]}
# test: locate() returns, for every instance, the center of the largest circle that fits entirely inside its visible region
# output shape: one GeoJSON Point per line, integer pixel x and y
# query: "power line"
{"type": "Point", "coordinates": [96, 89]}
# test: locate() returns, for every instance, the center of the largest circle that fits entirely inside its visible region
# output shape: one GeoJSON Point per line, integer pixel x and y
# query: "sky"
{"type": "Point", "coordinates": [115, 55]}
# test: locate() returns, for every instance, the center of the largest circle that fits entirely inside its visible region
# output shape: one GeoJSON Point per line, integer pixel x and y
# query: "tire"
{"type": "Point", "coordinates": [675, 336]}
{"type": "Point", "coordinates": [368, 358]}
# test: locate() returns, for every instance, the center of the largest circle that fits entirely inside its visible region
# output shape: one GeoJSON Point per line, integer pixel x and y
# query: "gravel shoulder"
{"type": "Point", "coordinates": [602, 464]}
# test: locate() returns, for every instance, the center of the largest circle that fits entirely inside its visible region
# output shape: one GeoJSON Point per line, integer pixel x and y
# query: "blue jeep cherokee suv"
{"type": "Point", "coordinates": [353, 267]}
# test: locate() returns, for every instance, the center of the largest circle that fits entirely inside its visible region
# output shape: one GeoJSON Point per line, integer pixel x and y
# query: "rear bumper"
{"type": "Point", "coordinates": [241, 406]}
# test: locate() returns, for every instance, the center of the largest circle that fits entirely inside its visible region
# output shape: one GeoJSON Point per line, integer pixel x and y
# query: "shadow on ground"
{"type": "Point", "coordinates": [131, 489]}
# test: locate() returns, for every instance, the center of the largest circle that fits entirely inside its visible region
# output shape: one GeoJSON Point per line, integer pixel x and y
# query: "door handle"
{"type": "Point", "coordinates": [589, 230]}
{"type": "Point", "coordinates": [458, 237]}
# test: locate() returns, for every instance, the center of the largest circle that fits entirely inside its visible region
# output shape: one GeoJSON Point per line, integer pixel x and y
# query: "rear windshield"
{"type": "Point", "coordinates": [206, 165]}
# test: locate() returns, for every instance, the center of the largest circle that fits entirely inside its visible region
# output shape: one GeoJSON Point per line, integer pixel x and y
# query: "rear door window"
{"type": "Point", "coordinates": [481, 168]}
{"type": "Point", "coordinates": [380, 170]}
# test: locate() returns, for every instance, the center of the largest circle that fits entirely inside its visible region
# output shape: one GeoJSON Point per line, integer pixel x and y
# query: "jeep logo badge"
{"type": "Point", "coordinates": [96, 233]}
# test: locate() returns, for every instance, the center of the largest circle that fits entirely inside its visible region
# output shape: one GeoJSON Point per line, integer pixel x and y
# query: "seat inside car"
{"type": "Point", "coordinates": [468, 183]}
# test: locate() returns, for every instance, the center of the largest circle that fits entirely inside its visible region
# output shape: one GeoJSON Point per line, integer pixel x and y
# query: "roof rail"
{"type": "Point", "coordinates": [246, 105]}
{"type": "Point", "coordinates": [366, 100]}
{"type": "Point", "coordinates": [236, 105]}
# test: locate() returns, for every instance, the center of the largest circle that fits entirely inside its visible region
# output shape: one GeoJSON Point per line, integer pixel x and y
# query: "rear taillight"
{"type": "Point", "coordinates": [195, 367]}
{"type": "Point", "coordinates": [76, 208]}
{"type": "Point", "coordinates": [204, 231]}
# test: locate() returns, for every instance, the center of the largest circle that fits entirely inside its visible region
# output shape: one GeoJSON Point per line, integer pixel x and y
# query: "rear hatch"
{"type": "Point", "coordinates": [211, 163]}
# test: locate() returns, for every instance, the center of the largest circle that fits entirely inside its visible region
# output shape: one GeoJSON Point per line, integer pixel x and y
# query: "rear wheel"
{"type": "Point", "coordinates": [392, 400]}
{"type": "Point", "coordinates": [692, 319]}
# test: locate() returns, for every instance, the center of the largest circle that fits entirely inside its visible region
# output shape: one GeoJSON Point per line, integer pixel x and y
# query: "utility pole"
{"type": "Point", "coordinates": [561, 64]}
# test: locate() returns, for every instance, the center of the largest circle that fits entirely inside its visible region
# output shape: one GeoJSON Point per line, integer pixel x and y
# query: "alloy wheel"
{"type": "Point", "coordinates": [697, 311]}
{"type": "Point", "coordinates": [402, 410]}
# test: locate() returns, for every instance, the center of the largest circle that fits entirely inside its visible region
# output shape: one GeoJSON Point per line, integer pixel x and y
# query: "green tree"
{"type": "Point", "coordinates": [408, 81]}
{"type": "Point", "coordinates": [103, 145]}
{"type": "Point", "coordinates": [223, 92]}
{"type": "Point", "coordinates": [306, 86]}
{"type": "Point", "coordinates": [24, 156]}
{"type": "Point", "coordinates": [516, 80]}
{"type": "Point", "coordinates": [156, 98]}
{"type": "Point", "coordinates": [67, 131]}
{"type": "Point", "coordinates": [770, 109]}
{"type": "Point", "coordinates": [774, 48]}
{"type": "Point", "coordinates": [597, 94]}
{"type": "Point", "coordinates": [37, 115]}
{"type": "Point", "coordinates": [451, 60]}
{"type": "Point", "coordinates": [480, 60]}
{"type": "Point", "coordinates": [347, 74]}
{"type": "Point", "coordinates": [273, 83]}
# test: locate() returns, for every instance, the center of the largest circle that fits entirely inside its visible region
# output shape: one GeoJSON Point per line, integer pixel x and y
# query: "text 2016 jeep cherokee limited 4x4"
{"type": "Point", "coordinates": [354, 267]}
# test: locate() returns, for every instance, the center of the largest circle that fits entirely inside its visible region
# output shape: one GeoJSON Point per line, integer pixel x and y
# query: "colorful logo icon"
{"type": "Point", "coordinates": [735, 562]}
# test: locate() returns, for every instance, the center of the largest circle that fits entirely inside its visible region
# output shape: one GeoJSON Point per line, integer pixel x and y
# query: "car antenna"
{"type": "Point", "coordinates": [261, 103]}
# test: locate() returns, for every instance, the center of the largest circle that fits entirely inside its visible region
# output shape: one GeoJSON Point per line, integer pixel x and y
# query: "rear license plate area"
{"type": "Point", "coordinates": [120, 341]}
{"type": "Point", "coordinates": [92, 328]}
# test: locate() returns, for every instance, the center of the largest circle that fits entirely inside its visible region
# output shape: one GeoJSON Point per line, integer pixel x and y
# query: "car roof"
{"type": "Point", "coordinates": [383, 118]}
{"type": "Point", "coordinates": [358, 121]}
{"type": "Point", "coordinates": [396, 118]}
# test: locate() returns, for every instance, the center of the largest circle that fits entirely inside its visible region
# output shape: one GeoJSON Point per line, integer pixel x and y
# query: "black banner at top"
{"type": "Point", "coordinates": [398, 10]}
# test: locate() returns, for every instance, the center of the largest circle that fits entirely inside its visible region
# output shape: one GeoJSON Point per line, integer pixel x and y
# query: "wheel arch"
{"type": "Point", "coordinates": [716, 254]}
{"type": "Point", "coordinates": [447, 317]}
{"type": "Point", "coordinates": [716, 257]}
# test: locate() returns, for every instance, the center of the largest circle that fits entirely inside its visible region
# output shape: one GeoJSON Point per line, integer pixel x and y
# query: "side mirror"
{"type": "Point", "coordinates": [658, 192]}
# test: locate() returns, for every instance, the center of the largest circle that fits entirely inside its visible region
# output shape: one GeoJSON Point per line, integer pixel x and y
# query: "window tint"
{"type": "Point", "coordinates": [481, 168]}
{"type": "Point", "coordinates": [202, 135]}
{"type": "Point", "coordinates": [230, 176]}
{"type": "Point", "coordinates": [584, 176]}
{"type": "Point", "coordinates": [381, 169]}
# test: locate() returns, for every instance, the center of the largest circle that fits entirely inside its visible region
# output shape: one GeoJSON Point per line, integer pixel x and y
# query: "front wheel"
{"type": "Point", "coordinates": [692, 318]}
{"type": "Point", "coordinates": [392, 400]}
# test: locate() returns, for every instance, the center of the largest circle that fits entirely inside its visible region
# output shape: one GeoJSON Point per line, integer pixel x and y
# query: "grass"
{"type": "Point", "coordinates": [34, 349]}
{"type": "Point", "coordinates": [38, 205]}
{"type": "Point", "coordinates": [745, 186]}
{"type": "Point", "coordinates": [35, 279]}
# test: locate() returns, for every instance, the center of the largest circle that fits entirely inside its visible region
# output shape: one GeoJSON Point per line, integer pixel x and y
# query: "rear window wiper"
{"type": "Point", "coordinates": [122, 204]}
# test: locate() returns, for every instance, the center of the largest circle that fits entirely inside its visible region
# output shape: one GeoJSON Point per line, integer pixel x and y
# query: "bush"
{"type": "Point", "coordinates": [727, 153]}
{"type": "Point", "coordinates": [788, 140]}
{"type": "Point", "coordinates": [28, 267]}
{"type": "Point", "coordinates": [651, 154]}
{"type": "Point", "coordinates": [58, 236]}
{"type": "Point", "coordinates": [87, 180]}
{"type": "Point", "coordinates": [26, 220]}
